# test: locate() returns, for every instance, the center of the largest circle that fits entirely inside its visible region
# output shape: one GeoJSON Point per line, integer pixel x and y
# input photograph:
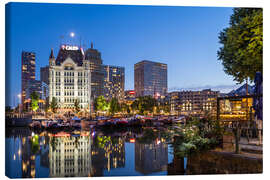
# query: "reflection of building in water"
{"type": "Point", "coordinates": [70, 156]}
{"type": "Point", "coordinates": [29, 151]}
{"type": "Point", "coordinates": [107, 153]}
{"type": "Point", "coordinates": [151, 158]}
{"type": "Point", "coordinates": [44, 151]}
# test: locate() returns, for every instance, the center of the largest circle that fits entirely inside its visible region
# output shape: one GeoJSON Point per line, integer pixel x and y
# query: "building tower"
{"type": "Point", "coordinates": [28, 71]}
{"type": "Point", "coordinates": [150, 78]}
{"type": "Point", "coordinates": [97, 71]}
{"type": "Point", "coordinates": [114, 82]}
{"type": "Point", "coordinates": [70, 78]}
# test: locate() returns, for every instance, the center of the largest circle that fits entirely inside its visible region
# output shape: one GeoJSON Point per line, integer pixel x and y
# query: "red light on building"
{"type": "Point", "coordinates": [132, 140]}
{"type": "Point", "coordinates": [131, 92]}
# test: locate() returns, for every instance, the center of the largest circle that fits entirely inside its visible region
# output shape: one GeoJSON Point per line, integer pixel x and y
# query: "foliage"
{"type": "Point", "coordinates": [148, 137]}
{"type": "Point", "coordinates": [54, 105]}
{"type": "Point", "coordinates": [77, 105]}
{"type": "Point", "coordinates": [101, 104]}
{"type": "Point", "coordinates": [197, 135]}
{"type": "Point", "coordinates": [103, 141]}
{"type": "Point", "coordinates": [241, 53]}
{"type": "Point", "coordinates": [53, 142]}
{"type": "Point", "coordinates": [144, 104]}
{"type": "Point", "coordinates": [114, 106]}
{"type": "Point", "coordinates": [125, 108]}
{"type": "Point", "coordinates": [47, 104]}
{"type": "Point", "coordinates": [34, 101]}
{"type": "Point", "coordinates": [8, 109]}
{"type": "Point", "coordinates": [35, 144]}
{"type": "Point", "coordinates": [165, 106]}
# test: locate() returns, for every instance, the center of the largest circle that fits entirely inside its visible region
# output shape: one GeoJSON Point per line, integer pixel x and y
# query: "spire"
{"type": "Point", "coordinates": [91, 45]}
{"type": "Point", "coordinates": [51, 55]}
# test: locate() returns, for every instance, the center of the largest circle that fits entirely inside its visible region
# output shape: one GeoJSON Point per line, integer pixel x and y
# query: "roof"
{"type": "Point", "coordinates": [76, 55]}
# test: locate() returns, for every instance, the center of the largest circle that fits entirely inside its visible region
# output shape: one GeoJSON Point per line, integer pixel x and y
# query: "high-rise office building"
{"type": "Point", "coordinates": [97, 71]}
{"type": "Point", "coordinates": [28, 71]}
{"type": "Point", "coordinates": [70, 78]}
{"type": "Point", "coordinates": [150, 78]}
{"type": "Point", "coordinates": [114, 82]}
{"type": "Point", "coordinates": [44, 74]}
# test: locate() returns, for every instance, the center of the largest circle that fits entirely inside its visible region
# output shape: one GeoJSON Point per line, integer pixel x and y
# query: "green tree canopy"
{"type": "Point", "coordinates": [143, 104]}
{"type": "Point", "coordinates": [34, 101]}
{"type": "Point", "coordinates": [54, 105]}
{"type": "Point", "coordinates": [101, 104]}
{"type": "Point", "coordinates": [114, 106]}
{"type": "Point", "coordinates": [242, 44]}
{"type": "Point", "coordinates": [77, 105]}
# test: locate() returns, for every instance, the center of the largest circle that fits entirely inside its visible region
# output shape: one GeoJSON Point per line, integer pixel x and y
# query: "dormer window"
{"type": "Point", "coordinates": [69, 67]}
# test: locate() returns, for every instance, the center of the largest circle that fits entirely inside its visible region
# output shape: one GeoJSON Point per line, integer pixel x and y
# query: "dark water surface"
{"type": "Point", "coordinates": [101, 153]}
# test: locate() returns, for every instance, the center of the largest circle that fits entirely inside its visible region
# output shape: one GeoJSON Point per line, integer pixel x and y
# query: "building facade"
{"type": "Point", "coordinates": [70, 78]}
{"type": "Point", "coordinates": [97, 71]}
{"type": "Point", "coordinates": [114, 82]}
{"type": "Point", "coordinates": [28, 71]}
{"type": "Point", "coordinates": [150, 78]}
{"type": "Point", "coordinates": [44, 74]}
{"type": "Point", "coordinates": [193, 102]}
{"type": "Point", "coordinates": [70, 156]}
{"type": "Point", "coordinates": [42, 91]}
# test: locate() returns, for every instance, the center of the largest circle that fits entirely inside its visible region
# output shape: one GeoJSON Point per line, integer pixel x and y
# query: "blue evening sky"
{"type": "Point", "coordinates": [185, 38]}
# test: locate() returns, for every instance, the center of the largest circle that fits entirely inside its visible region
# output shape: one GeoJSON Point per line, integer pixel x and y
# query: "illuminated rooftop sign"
{"type": "Point", "coordinates": [68, 47]}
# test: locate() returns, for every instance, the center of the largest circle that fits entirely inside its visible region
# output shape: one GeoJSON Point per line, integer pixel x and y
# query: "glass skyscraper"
{"type": "Point", "coordinates": [28, 71]}
{"type": "Point", "coordinates": [150, 78]}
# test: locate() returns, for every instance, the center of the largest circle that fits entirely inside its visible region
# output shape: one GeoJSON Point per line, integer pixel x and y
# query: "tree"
{"type": "Point", "coordinates": [54, 105]}
{"type": "Point", "coordinates": [114, 106]}
{"type": "Point", "coordinates": [47, 104]}
{"type": "Point", "coordinates": [34, 101]}
{"type": "Point", "coordinates": [143, 104]}
{"type": "Point", "coordinates": [101, 104]}
{"type": "Point", "coordinates": [124, 108]}
{"type": "Point", "coordinates": [77, 105]}
{"type": "Point", "coordinates": [241, 51]}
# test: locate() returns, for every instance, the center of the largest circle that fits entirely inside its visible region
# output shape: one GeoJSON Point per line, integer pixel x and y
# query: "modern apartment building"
{"type": "Point", "coordinates": [114, 84]}
{"type": "Point", "coordinates": [193, 102]}
{"type": "Point", "coordinates": [28, 71]}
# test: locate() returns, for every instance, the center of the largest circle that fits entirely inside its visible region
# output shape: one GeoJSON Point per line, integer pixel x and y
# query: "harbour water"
{"type": "Point", "coordinates": [126, 152]}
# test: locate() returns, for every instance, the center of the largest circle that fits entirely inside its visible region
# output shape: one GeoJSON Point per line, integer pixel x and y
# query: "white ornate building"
{"type": "Point", "coordinates": [70, 78]}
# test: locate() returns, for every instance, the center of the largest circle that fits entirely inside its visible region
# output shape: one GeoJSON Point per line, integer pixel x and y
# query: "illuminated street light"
{"type": "Point", "coordinates": [72, 34]}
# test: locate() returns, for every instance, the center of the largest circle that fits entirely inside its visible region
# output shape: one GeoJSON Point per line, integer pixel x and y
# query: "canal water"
{"type": "Point", "coordinates": [126, 152]}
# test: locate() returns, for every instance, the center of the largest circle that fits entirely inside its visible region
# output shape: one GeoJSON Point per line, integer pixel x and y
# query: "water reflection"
{"type": "Point", "coordinates": [104, 153]}
{"type": "Point", "coordinates": [69, 154]}
{"type": "Point", "coordinates": [151, 157]}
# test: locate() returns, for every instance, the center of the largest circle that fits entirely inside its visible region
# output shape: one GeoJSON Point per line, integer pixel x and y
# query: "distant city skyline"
{"type": "Point", "coordinates": [184, 38]}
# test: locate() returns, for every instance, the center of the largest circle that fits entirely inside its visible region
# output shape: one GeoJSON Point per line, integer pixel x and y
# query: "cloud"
{"type": "Point", "coordinates": [221, 88]}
